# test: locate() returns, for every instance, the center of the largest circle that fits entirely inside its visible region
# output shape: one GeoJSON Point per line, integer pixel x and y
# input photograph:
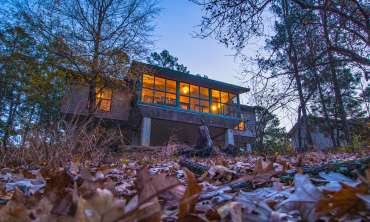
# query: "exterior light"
{"type": "Point", "coordinates": [214, 108]}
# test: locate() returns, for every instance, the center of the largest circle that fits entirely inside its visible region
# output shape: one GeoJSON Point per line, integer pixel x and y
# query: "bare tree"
{"type": "Point", "coordinates": [345, 34]}
{"type": "Point", "coordinates": [95, 38]}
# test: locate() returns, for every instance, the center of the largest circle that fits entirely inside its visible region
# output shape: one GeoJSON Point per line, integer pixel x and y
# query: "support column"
{"type": "Point", "coordinates": [145, 131]}
{"type": "Point", "coordinates": [229, 137]}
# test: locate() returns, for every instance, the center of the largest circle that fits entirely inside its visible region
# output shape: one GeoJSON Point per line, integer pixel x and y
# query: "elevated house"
{"type": "Point", "coordinates": [156, 104]}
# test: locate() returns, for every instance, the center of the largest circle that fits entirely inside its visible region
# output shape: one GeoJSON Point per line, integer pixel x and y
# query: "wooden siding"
{"type": "Point", "coordinates": [76, 99]}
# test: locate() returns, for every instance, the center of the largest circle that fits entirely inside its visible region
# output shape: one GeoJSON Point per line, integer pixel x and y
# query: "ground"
{"type": "Point", "coordinates": [158, 186]}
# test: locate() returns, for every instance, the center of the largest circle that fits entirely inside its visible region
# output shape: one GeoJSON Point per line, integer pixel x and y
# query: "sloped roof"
{"type": "Point", "coordinates": [186, 77]}
{"type": "Point", "coordinates": [321, 121]}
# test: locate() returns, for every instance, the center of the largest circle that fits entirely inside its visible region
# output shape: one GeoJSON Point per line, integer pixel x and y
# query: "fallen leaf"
{"type": "Point", "coordinates": [65, 207]}
{"type": "Point", "coordinates": [346, 200]}
{"type": "Point", "coordinates": [191, 195]}
{"type": "Point", "coordinates": [263, 166]}
{"type": "Point", "coordinates": [15, 210]}
{"type": "Point", "coordinates": [149, 187]}
{"type": "Point", "coordinates": [305, 197]}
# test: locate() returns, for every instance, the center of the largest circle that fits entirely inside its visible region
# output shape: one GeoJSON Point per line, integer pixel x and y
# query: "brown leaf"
{"type": "Point", "coordinates": [367, 175]}
{"type": "Point", "coordinates": [263, 166]}
{"type": "Point", "coordinates": [263, 171]}
{"type": "Point", "coordinates": [149, 187]}
{"type": "Point", "coordinates": [56, 182]}
{"type": "Point", "coordinates": [234, 209]}
{"type": "Point", "coordinates": [344, 201]}
{"type": "Point", "coordinates": [212, 214]}
{"type": "Point", "coordinates": [192, 218]}
{"type": "Point", "coordinates": [15, 210]}
{"type": "Point", "coordinates": [64, 207]}
{"type": "Point", "coordinates": [190, 197]}
{"type": "Point", "coordinates": [304, 199]}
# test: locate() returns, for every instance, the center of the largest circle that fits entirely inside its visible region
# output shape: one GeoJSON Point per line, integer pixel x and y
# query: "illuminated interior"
{"type": "Point", "coordinates": [162, 91]}
{"type": "Point", "coordinates": [224, 103]}
{"type": "Point", "coordinates": [103, 99]}
{"type": "Point", "coordinates": [241, 126]}
{"type": "Point", "coordinates": [194, 98]}
{"type": "Point", "coordinates": [158, 90]}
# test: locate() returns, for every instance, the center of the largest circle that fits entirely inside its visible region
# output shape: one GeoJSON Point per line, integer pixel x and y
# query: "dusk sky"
{"type": "Point", "coordinates": [175, 32]}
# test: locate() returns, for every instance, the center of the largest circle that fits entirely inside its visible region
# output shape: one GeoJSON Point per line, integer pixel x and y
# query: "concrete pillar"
{"type": "Point", "coordinates": [145, 131]}
{"type": "Point", "coordinates": [229, 137]}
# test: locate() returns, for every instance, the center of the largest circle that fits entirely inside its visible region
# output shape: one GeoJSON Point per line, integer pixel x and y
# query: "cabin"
{"type": "Point", "coordinates": [157, 104]}
{"type": "Point", "coordinates": [320, 132]}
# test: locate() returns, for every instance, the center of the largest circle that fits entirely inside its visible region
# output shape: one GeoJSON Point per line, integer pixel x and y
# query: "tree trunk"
{"type": "Point", "coordinates": [337, 92]}
{"type": "Point", "coordinates": [336, 127]}
{"type": "Point", "coordinates": [325, 111]}
{"type": "Point", "coordinates": [10, 121]}
{"type": "Point", "coordinates": [312, 54]}
{"type": "Point", "coordinates": [299, 127]}
{"type": "Point", "coordinates": [293, 60]}
{"type": "Point", "coordinates": [95, 70]}
{"type": "Point", "coordinates": [27, 127]}
{"type": "Point", "coordinates": [92, 97]}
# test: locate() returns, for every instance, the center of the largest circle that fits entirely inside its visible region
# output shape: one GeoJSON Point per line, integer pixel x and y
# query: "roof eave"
{"type": "Point", "coordinates": [168, 73]}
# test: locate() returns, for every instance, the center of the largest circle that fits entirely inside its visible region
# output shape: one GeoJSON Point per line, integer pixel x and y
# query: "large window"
{"type": "Point", "coordinates": [103, 99]}
{"type": "Point", "coordinates": [223, 103]}
{"type": "Point", "coordinates": [194, 98]}
{"type": "Point", "coordinates": [158, 90]}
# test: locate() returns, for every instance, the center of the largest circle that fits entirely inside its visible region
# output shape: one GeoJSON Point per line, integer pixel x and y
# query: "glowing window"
{"type": "Point", "coordinates": [171, 86]}
{"type": "Point", "coordinates": [147, 96]}
{"type": "Point", "coordinates": [224, 97]}
{"type": "Point", "coordinates": [216, 108]}
{"type": "Point", "coordinates": [171, 99]}
{"type": "Point", "coordinates": [148, 81]}
{"type": "Point", "coordinates": [162, 91]}
{"type": "Point", "coordinates": [216, 96]}
{"type": "Point", "coordinates": [160, 84]}
{"type": "Point", "coordinates": [194, 97]}
{"type": "Point", "coordinates": [204, 106]}
{"type": "Point", "coordinates": [160, 97]}
{"type": "Point", "coordinates": [184, 102]}
{"type": "Point", "coordinates": [184, 89]}
{"type": "Point", "coordinates": [194, 91]}
{"type": "Point", "coordinates": [223, 103]}
{"type": "Point", "coordinates": [158, 90]}
{"type": "Point", "coordinates": [194, 104]}
{"type": "Point", "coordinates": [204, 93]}
{"type": "Point", "coordinates": [103, 99]}
{"type": "Point", "coordinates": [241, 126]}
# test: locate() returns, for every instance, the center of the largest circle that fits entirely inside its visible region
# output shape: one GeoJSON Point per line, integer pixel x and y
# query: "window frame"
{"type": "Point", "coordinates": [241, 129]}
{"type": "Point", "coordinates": [231, 104]}
{"type": "Point", "coordinates": [190, 98]}
{"type": "Point", "coordinates": [154, 90]}
{"type": "Point", "coordinates": [221, 104]}
{"type": "Point", "coordinates": [99, 98]}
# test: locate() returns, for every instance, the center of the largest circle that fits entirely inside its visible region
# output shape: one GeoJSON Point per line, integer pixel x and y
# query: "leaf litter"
{"type": "Point", "coordinates": [245, 188]}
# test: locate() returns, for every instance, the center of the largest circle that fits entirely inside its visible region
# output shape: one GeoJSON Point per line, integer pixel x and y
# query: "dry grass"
{"type": "Point", "coordinates": [60, 143]}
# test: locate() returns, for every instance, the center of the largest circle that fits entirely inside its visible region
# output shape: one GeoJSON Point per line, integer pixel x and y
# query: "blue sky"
{"type": "Point", "coordinates": [175, 30]}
